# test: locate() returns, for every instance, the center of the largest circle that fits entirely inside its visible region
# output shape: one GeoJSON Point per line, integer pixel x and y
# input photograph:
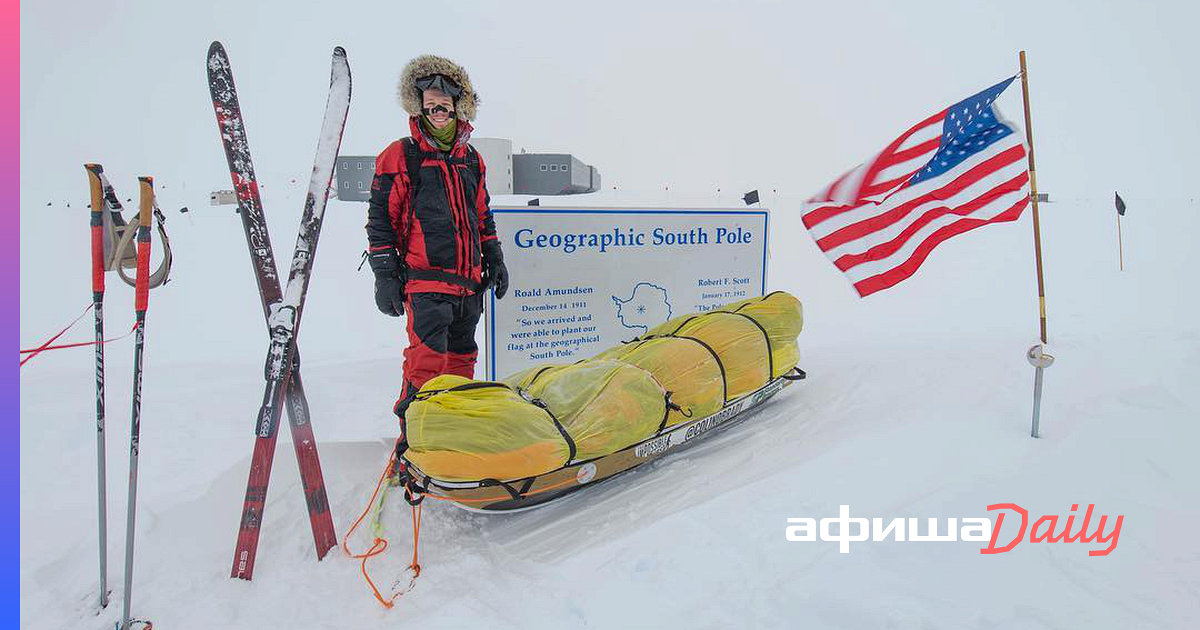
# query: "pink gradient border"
{"type": "Point", "coordinates": [10, 415]}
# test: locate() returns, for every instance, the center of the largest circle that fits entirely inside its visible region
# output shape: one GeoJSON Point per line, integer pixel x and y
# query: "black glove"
{"type": "Point", "coordinates": [494, 271]}
{"type": "Point", "coordinates": [389, 282]}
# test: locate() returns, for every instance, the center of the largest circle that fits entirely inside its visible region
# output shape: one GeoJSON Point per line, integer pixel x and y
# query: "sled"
{"type": "Point", "coordinates": [514, 495]}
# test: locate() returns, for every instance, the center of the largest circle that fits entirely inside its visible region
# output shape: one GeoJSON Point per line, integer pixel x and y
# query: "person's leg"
{"type": "Point", "coordinates": [429, 318]}
{"type": "Point", "coordinates": [461, 349]}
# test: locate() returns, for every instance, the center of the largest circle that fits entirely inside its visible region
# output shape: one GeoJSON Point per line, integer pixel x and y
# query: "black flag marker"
{"type": "Point", "coordinates": [1120, 204]}
{"type": "Point", "coordinates": [750, 197]}
{"type": "Point", "coordinates": [534, 202]}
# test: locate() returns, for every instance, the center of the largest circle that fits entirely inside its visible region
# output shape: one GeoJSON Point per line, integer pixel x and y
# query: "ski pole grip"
{"type": "Point", "coordinates": [97, 225]}
{"type": "Point", "coordinates": [141, 289]}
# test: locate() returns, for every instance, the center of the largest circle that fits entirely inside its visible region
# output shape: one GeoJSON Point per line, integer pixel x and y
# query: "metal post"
{"type": "Point", "coordinates": [1037, 401]}
{"type": "Point", "coordinates": [1120, 245]}
{"type": "Point", "coordinates": [1037, 249]}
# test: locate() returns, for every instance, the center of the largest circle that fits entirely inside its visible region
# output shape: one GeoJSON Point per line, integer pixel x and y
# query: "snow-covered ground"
{"type": "Point", "coordinates": [918, 398]}
{"type": "Point", "coordinates": [917, 405]}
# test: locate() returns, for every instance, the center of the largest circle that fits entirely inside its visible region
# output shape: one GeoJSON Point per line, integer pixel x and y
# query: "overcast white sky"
{"type": "Point", "coordinates": [695, 94]}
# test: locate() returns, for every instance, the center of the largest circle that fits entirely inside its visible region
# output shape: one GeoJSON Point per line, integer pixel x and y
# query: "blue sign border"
{"type": "Point", "coordinates": [489, 317]}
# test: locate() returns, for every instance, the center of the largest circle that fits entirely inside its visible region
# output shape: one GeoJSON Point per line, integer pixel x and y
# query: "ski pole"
{"type": "Point", "coordinates": [97, 226]}
{"type": "Point", "coordinates": [141, 300]}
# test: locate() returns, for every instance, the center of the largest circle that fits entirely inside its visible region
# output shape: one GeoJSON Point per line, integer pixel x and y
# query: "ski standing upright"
{"type": "Point", "coordinates": [282, 309]}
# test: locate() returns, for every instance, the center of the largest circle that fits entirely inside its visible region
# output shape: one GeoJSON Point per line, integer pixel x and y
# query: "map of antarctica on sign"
{"type": "Point", "coordinates": [629, 270]}
{"type": "Point", "coordinates": [647, 307]}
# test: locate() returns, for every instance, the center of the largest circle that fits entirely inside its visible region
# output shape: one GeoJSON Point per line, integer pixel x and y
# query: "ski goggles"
{"type": "Point", "coordinates": [441, 83]}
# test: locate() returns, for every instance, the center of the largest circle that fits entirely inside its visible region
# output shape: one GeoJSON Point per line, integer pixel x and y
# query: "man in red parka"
{"type": "Point", "coordinates": [431, 237]}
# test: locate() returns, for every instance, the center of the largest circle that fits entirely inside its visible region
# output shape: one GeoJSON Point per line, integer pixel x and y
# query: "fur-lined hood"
{"type": "Point", "coordinates": [425, 65]}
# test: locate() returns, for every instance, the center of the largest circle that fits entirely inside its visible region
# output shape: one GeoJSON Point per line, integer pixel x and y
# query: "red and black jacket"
{"type": "Point", "coordinates": [433, 207]}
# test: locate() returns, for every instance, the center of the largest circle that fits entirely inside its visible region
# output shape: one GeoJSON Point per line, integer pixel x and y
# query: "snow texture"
{"type": "Point", "coordinates": [917, 405]}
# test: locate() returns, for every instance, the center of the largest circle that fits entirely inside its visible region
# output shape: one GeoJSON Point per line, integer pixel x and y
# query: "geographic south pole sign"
{"type": "Point", "coordinates": [585, 279]}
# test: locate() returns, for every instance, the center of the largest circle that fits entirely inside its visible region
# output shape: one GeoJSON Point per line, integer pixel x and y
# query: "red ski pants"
{"type": "Point", "coordinates": [441, 337]}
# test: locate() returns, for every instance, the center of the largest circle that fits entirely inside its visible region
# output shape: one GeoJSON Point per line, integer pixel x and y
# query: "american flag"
{"type": "Point", "coordinates": [961, 168]}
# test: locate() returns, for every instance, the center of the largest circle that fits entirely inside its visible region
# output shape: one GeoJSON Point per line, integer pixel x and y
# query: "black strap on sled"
{"type": "Point", "coordinates": [668, 408]}
{"type": "Point", "coordinates": [512, 492]}
{"type": "Point", "coordinates": [539, 374]}
{"type": "Point", "coordinates": [429, 393]}
{"type": "Point", "coordinates": [794, 374]}
{"type": "Point", "coordinates": [400, 475]}
{"type": "Point", "coordinates": [716, 357]}
{"type": "Point", "coordinates": [538, 402]}
{"type": "Point", "coordinates": [516, 493]}
{"type": "Point", "coordinates": [767, 339]}
{"type": "Point", "coordinates": [765, 334]}
{"type": "Point", "coordinates": [414, 494]}
{"type": "Point", "coordinates": [761, 299]}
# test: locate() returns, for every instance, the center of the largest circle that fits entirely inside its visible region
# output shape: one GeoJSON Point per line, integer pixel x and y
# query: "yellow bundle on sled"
{"type": "Point", "coordinates": [539, 419]}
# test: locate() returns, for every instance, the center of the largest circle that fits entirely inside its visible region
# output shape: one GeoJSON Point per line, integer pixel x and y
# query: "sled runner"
{"type": "Point", "coordinates": [512, 495]}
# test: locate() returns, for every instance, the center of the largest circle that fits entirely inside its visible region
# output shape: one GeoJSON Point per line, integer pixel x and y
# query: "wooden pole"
{"type": "Point", "coordinates": [1120, 245]}
{"type": "Point", "coordinates": [1037, 227]}
{"type": "Point", "coordinates": [1037, 356]}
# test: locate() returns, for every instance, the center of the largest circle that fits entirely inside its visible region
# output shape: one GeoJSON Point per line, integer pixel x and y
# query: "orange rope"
{"type": "Point", "coordinates": [375, 549]}
{"type": "Point", "coordinates": [416, 566]}
{"type": "Point", "coordinates": [367, 510]}
{"type": "Point", "coordinates": [379, 545]}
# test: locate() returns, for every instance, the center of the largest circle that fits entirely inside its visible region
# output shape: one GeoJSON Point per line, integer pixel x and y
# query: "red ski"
{"type": "Point", "coordinates": [283, 377]}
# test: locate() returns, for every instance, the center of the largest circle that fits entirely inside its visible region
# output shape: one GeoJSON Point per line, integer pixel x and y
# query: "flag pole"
{"type": "Point", "coordinates": [1120, 245]}
{"type": "Point", "coordinates": [1036, 355]}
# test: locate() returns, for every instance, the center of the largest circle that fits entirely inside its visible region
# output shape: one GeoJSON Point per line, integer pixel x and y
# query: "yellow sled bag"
{"type": "Point", "coordinates": [603, 405]}
{"type": "Point", "coordinates": [538, 420]}
{"type": "Point", "coordinates": [464, 430]}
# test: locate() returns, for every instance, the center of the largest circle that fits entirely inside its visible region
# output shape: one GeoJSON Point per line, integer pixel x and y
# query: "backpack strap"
{"type": "Point", "coordinates": [413, 156]}
{"type": "Point", "coordinates": [119, 249]}
{"type": "Point", "coordinates": [160, 275]}
{"type": "Point", "coordinates": [123, 255]}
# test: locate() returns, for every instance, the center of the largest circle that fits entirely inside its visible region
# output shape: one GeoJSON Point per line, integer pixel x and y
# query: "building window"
{"type": "Point", "coordinates": [563, 167]}
{"type": "Point", "coordinates": [544, 167]}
